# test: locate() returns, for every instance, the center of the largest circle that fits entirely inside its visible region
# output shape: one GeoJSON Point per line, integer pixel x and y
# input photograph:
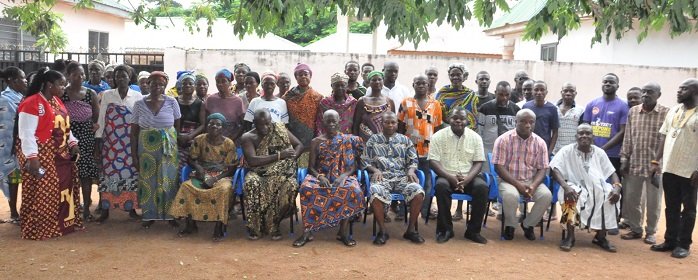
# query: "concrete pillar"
{"type": "Point", "coordinates": [508, 48]}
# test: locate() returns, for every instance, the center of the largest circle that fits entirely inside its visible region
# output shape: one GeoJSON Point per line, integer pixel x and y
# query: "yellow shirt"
{"type": "Point", "coordinates": [456, 154]}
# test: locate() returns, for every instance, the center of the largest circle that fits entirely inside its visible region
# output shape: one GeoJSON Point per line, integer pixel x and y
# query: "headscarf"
{"type": "Point", "coordinates": [183, 72]}
{"type": "Point", "coordinates": [143, 75]}
{"type": "Point", "coordinates": [216, 116]}
{"type": "Point", "coordinates": [109, 67]}
{"type": "Point", "coordinates": [269, 74]}
{"type": "Point", "coordinates": [201, 76]}
{"type": "Point", "coordinates": [301, 67]}
{"type": "Point", "coordinates": [460, 66]}
{"type": "Point", "coordinates": [374, 73]}
{"type": "Point", "coordinates": [158, 74]}
{"type": "Point", "coordinates": [182, 78]}
{"type": "Point", "coordinates": [339, 77]}
{"type": "Point", "coordinates": [226, 73]}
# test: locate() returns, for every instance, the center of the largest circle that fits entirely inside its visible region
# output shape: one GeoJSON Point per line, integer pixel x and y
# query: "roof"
{"type": "Point", "coordinates": [521, 12]}
{"type": "Point", "coordinates": [112, 7]}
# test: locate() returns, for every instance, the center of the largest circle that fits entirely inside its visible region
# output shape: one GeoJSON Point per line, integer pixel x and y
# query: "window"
{"type": "Point", "coordinates": [548, 52]}
{"type": "Point", "coordinates": [98, 42]}
{"type": "Point", "coordinates": [11, 37]}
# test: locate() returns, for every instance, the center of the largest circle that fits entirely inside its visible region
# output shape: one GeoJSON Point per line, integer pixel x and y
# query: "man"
{"type": "Point", "coordinates": [391, 159]}
{"type": "Point", "coordinates": [589, 201]}
{"type": "Point", "coordinates": [432, 76]}
{"type": "Point", "coordinates": [634, 96]}
{"type": "Point", "coordinates": [570, 116]}
{"type": "Point", "coordinates": [520, 158]}
{"type": "Point", "coordinates": [547, 120]}
{"type": "Point", "coordinates": [527, 92]}
{"type": "Point", "coordinates": [482, 79]}
{"type": "Point", "coordinates": [419, 118]}
{"type": "Point", "coordinates": [456, 155]}
{"type": "Point", "coordinates": [391, 88]}
{"type": "Point", "coordinates": [680, 167]}
{"type": "Point", "coordinates": [351, 69]}
{"type": "Point", "coordinates": [496, 117]}
{"type": "Point", "coordinates": [640, 145]}
{"type": "Point", "coordinates": [365, 69]}
{"type": "Point", "coordinates": [517, 94]}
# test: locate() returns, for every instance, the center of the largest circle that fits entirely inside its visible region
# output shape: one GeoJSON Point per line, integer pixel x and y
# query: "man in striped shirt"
{"type": "Point", "coordinates": [521, 160]}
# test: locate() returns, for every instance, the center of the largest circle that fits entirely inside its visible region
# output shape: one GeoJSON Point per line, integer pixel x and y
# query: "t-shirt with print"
{"type": "Point", "coordinates": [488, 128]}
{"type": "Point", "coordinates": [605, 118]}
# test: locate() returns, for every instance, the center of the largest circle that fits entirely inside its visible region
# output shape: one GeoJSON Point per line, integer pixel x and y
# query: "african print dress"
{"type": "Point", "coordinates": [270, 190]}
{"type": "Point", "coordinates": [325, 207]}
{"type": "Point", "coordinates": [372, 121]}
{"type": "Point", "coordinates": [465, 98]}
{"type": "Point", "coordinates": [207, 204]}
{"type": "Point", "coordinates": [118, 187]}
{"type": "Point", "coordinates": [49, 203]}
{"type": "Point", "coordinates": [82, 127]}
{"type": "Point", "coordinates": [302, 110]}
{"type": "Point", "coordinates": [346, 112]}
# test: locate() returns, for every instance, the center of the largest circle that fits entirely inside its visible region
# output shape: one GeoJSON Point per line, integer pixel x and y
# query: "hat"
{"type": "Point", "coordinates": [158, 74]}
{"type": "Point", "coordinates": [339, 77]}
{"type": "Point", "coordinates": [301, 67]}
{"type": "Point", "coordinates": [143, 75]}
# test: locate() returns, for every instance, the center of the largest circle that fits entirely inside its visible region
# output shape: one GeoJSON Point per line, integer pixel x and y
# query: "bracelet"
{"type": "Point", "coordinates": [619, 185]}
{"type": "Point", "coordinates": [654, 162]}
{"type": "Point", "coordinates": [278, 156]}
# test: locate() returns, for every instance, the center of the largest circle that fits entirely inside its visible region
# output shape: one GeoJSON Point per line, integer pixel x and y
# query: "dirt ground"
{"type": "Point", "coordinates": [121, 249]}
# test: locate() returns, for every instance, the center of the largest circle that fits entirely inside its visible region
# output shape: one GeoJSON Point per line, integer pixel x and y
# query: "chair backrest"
{"type": "Point", "coordinates": [186, 170]}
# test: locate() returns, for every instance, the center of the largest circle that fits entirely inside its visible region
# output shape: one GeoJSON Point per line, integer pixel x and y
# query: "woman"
{"type": "Point", "coordinates": [82, 106]}
{"type": "Point", "coordinates": [10, 173]}
{"type": "Point", "coordinates": [251, 83]}
{"type": "Point", "coordinates": [156, 120]}
{"type": "Point", "coordinates": [341, 102]}
{"type": "Point", "coordinates": [118, 185]}
{"type": "Point", "coordinates": [190, 107]}
{"type": "Point", "coordinates": [457, 95]}
{"type": "Point", "coordinates": [206, 196]}
{"type": "Point", "coordinates": [284, 83]}
{"type": "Point", "coordinates": [50, 187]}
{"type": "Point", "coordinates": [109, 76]}
{"type": "Point", "coordinates": [368, 119]}
{"type": "Point", "coordinates": [302, 102]}
{"type": "Point", "coordinates": [277, 106]}
{"type": "Point", "coordinates": [201, 84]}
{"type": "Point", "coordinates": [94, 82]}
{"type": "Point", "coordinates": [240, 71]}
{"type": "Point", "coordinates": [226, 103]}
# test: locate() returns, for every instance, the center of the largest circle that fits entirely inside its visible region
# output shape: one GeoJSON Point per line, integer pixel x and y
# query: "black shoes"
{"type": "Point", "coordinates": [676, 251]}
{"type": "Point", "coordinates": [414, 237]}
{"type": "Point", "coordinates": [664, 247]}
{"type": "Point", "coordinates": [443, 237]}
{"type": "Point", "coordinates": [680, 253]}
{"type": "Point", "coordinates": [475, 237]}
{"type": "Point", "coordinates": [508, 233]}
{"type": "Point", "coordinates": [529, 233]}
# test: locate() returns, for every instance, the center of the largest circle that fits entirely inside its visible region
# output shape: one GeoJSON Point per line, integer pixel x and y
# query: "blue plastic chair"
{"type": "Point", "coordinates": [186, 170]}
{"type": "Point", "coordinates": [394, 197]}
{"type": "Point", "coordinates": [455, 196]}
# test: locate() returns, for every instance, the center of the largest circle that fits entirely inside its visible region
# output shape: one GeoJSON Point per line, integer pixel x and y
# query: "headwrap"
{"type": "Point", "coordinates": [301, 67]}
{"type": "Point", "coordinates": [159, 74]}
{"type": "Point", "coordinates": [339, 77]}
{"type": "Point", "coordinates": [460, 66]}
{"type": "Point", "coordinates": [181, 79]}
{"type": "Point", "coordinates": [200, 76]}
{"type": "Point", "coordinates": [216, 116]}
{"type": "Point", "coordinates": [109, 67]}
{"type": "Point", "coordinates": [143, 75]}
{"type": "Point", "coordinates": [374, 73]}
{"type": "Point", "coordinates": [226, 73]}
{"type": "Point", "coordinates": [180, 73]}
{"type": "Point", "coordinates": [269, 74]}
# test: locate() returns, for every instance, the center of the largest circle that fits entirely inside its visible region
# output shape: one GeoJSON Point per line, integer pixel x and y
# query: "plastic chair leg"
{"type": "Point", "coordinates": [426, 218]}
{"type": "Point", "coordinates": [290, 219]}
{"type": "Point", "coordinates": [550, 215]}
{"type": "Point", "coordinates": [484, 222]}
{"type": "Point", "coordinates": [242, 207]}
{"type": "Point", "coordinates": [406, 212]}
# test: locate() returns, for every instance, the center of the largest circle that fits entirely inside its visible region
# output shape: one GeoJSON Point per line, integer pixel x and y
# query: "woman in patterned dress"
{"type": "Point", "coordinates": [458, 95]}
{"type": "Point", "coordinates": [82, 106]}
{"type": "Point", "coordinates": [50, 186]}
{"type": "Point", "coordinates": [368, 119]}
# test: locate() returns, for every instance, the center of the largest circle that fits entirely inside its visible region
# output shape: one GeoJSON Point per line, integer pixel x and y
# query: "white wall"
{"type": "Point", "coordinates": [77, 24]}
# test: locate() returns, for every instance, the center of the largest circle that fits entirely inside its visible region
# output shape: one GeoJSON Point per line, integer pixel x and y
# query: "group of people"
{"type": "Point", "coordinates": [63, 131]}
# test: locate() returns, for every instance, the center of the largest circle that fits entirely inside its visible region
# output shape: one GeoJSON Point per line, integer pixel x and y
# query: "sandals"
{"type": "Point", "coordinates": [457, 217]}
{"type": "Point", "coordinates": [147, 224]}
{"type": "Point", "coordinates": [604, 244]}
{"type": "Point", "coordinates": [103, 216]}
{"type": "Point", "coordinates": [188, 230]}
{"type": "Point", "coordinates": [13, 220]}
{"type": "Point", "coordinates": [219, 232]}
{"type": "Point", "coordinates": [381, 238]}
{"type": "Point", "coordinates": [348, 241]}
{"type": "Point", "coordinates": [88, 218]}
{"type": "Point", "coordinates": [301, 241]}
{"type": "Point", "coordinates": [132, 214]}
{"type": "Point", "coordinates": [276, 235]}
{"type": "Point", "coordinates": [566, 245]}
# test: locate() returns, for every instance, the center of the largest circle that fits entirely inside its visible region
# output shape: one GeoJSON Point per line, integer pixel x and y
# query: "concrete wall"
{"type": "Point", "coordinates": [587, 77]}
{"type": "Point", "coordinates": [78, 23]}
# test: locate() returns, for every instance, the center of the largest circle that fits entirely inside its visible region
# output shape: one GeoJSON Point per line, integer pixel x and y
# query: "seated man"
{"type": "Point", "coordinates": [206, 195]}
{"type": "Point", "coordinates": [520, 158]}
{"type": "Point", "coordinates": [271, 153]}
{"type": "Point", "coordinates": [330, 194]}
{"type": "Point", "coordinates": [581, 170]}
{"type": "Point", "coordinates": [392, 160]}
{"type": "Point", "coordinates": [456, 155]}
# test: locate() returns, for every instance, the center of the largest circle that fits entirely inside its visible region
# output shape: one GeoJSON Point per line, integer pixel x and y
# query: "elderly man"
{"type": "Point", "coordinates": [270, 185]}
{"type": "Point", "coordinates": [392, 160]}
{"type": "Point", "coordinates": [456, 155]}
{"type": "Point", "coordinates": [680, 166]}
{"type": "Point", "coordinates": [520, 158]}
{"type": "Point", "coordinates": [642, 175]}
{"type": "Point", "coordinates": [391, 87]}
{"type": "Point", "coordinates": [517, 93]}
{"type": "Point", "coordinates": [582, 169]}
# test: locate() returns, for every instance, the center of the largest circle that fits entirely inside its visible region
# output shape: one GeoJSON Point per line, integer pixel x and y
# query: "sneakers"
{"type": "Point", "coordinates": [650, 239]}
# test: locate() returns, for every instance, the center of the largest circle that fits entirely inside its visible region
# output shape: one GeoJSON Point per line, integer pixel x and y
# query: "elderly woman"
{"type": "Point", "coordinates": [143, 82]}
{"type": "Point", "coordinates": [457, 95]}
{"type": "Point", "coordinates": [83, 108]}
{"type": "Point", "coordinates": [117, 188]}
{"type": "Point", "coordinates": [95, 72]}
{"type": "Point", "coordinates": [190, 107]}
{"type": "Point", "coordinates": [206, 196]}
{"type": "Point", "coordinates": [109, 75]}
{"type": "Point", "coordinates": [275, 105]}
{"type": "Point", "coordinates": [368, 119]}
{"type": "Point", "coordinates": [156, 120]}
{"type": "Point", "coordinates": [226, 103]}
{"type": "Point", "coordinates": [302, 102]}
{"type": "Point", "coordinates": [50, 187]}
{"type": "Point", "coordinates": [251, 83]}
{"type": "Point", "coordinates": [339, 101]}
{"type": "Point", "coordinates": [201, 84]}
{"type": "Point", "coordinates": [10, 173]}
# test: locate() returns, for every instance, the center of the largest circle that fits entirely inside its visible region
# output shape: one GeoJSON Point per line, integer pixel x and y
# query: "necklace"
{"type": "Point", "coordinates": [680, 121]}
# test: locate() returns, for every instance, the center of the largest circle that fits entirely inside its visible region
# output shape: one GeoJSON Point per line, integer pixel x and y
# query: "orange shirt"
{"type": "Point", "coordinates": [420, 123]}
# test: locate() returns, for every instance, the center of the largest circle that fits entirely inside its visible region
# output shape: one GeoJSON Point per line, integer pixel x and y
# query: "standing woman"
{"type": "Point", "coordinates": [109, 75]}
{"type": "Point", "coordinates": [190, 107]}
{"type": "Point", "coordinates": [10, 173]}
{"type": "Point", "coordinates": [94, 82]}
{"type": "Point", "coordinates": [368, 119]}
{"type": "Point", "coordinates": [226, 103]}
{"type": "Point", "coordinates": [302, 103]}
{"type": "Point", "coordinates": [251, 84]}
{"type": "Point", "coordinates": [201, 84]}
{"type": "Point", "coordinates": [117, 188]}
{"type": "Point", "coordinates": [155, 123]}
{"type": "Point", "coordinates": [50, 187]}
{"type": "Point", "coordinates": [82, 106]}
{"type": "Point", "coordinates": [458, 95]}
{"type": "Point", "coordinates": [240, 71]}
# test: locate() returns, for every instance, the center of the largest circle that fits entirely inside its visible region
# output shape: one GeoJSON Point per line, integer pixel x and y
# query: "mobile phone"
{"type": "Point", "coordinates": [42, 172]}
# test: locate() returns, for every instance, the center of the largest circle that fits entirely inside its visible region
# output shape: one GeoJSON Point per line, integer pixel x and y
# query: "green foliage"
{"type": "Point", "coordinates": [314, 26]}
{"type": "Point", "coordinates": [360, 27]}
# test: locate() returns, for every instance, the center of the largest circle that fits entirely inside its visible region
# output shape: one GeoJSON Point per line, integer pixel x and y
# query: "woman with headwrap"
{"type": "Point", "coordinates": [458, 95]}
{"type": "Point", "coordinates": [240, 71]}
{"type": "Point", "coordinates": [276, 106]}
{"type": "Point", "coordinates": [340, 101]}
{"type": "Point", "coordinates": [368, 119]}
{"type": "Point", "coordinates": [142, 81]}
{"type": "Point", "coordinates": [251, 91]}
{"type": "Point", "coordinates": [95, 71]}
{"type": "Point", "coordinates": [206, 195]}
{"type": "Point", "coordinates": [109, 75]}
{"type": "Point", "coordinates": [226, 103]}
{"type": "Point", "coordinates": [190, 107]}
{"type": "Point", "coordinates": [302, 102]}
{"type": "Point", "coordinates": [156, 120]}
{"type": "Point", "coordinates": [201, 84]}
{"type": "Point", "coordinates": [174, 91]}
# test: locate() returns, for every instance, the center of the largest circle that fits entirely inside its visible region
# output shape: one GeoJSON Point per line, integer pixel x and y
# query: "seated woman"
{"type": "Point", "coordinates": [206, 195]}
{"type": "Point", "coordinates": [332, 166]}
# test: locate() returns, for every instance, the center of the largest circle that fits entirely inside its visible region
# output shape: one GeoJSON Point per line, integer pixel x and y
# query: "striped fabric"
{"type": "Point", "coordinates": [521, 157]}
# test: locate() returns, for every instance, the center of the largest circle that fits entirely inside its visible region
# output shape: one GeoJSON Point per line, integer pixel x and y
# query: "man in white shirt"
{"type": "Point", "coordinates": [391, 88]}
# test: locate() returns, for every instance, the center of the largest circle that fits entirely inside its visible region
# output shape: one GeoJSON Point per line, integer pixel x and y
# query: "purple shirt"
{"type": "Point", "coordinates": [605, 118]}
